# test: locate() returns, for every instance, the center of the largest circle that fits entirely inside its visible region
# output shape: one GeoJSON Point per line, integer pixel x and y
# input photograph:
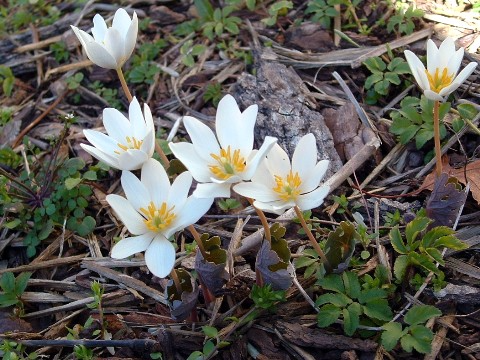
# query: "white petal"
{"type": "Point", "coordinates": [276, 207]}
{"type": "Point", "coordinates": [121, 22]}
{"type": "Point", "coordinates": [455, 62]}
{"type": "Point", "coordinates": [116, 124]}
{"type": "Point", "coordinates": [312, 180]}
{"type": "Point", "coordinates": [82, 36]}
{"type": "Point", "coordinates": [256, 191]}
{"type": "Point", "coordinates": [127, 214]}
{"type": "Point", "coordinates": [259, 156]}
{"type": "Point", "coordinates": [148, 144]}
{"type": "Point", "coordinates": [313, 199]}
{"type": "Point", "coordinates": [131, 245]}
{"type": "Point", "coordinates": [445, 52]}
{"type": "Point", "coordinates": [100, 55]}
{"type": "Point", "coordinates": [179, 190]}
{"type": "Point", "coordinates": [131, 37]}
{"type": "Point", "coordinates": [99, 29]}
{"type": "Point", "coordinates": [107, 159]}
{"type": "Point", "coordinates": [160, 256]}
{"type": "Point", "coordinates": [304, 157]}
{"type": "Point", "coordinates": [227, 121]}
{"type": "Point", "coordinates": [114, 45]}
{"type": "Point", "coordinates": [432, 95]}
{"type": "Point", "coordinates": [132, 159]}
{"type": "Point", "coordinates": [263, 175]}
{"type": "Point", "coordinates": [137, 122]}
{"type": "Point", "coordinates": [185, 152]}
{"type": "Point", "coordinates": [248, 120]}
{"type": "Point", "coordinates": [212, 190]}
{"type": "Point", "coordinates": [278, 161]}
{"type": "Point", "coordinates": [418, 69]}
{"type": "Point", "coordinates": [148, 117]}
{"type": "Point", "coordinates": [135, 191]}
{"type": "Point", "coordinates": [433, 56]}
{"type": "Point", "coordinates": [101, 141]}
{"type": "Point", "coordinates": [465, 73]}
{"type": "Point", "coordinates": [194, 208]}
{"type": "Point", "coordinates": [156, 181]}
{"type": "Point", "coordinates": [203, 139]}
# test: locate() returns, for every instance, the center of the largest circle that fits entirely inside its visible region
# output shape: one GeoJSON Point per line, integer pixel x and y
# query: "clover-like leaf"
{"type": "Point", "coordinates": [327, 315]}
{"type": "Point", "coordinates": [332, 282]}
{"type": "Point", "coordinates": [378, 309]}
{"type": "Point", "coordinates": [338, 299]}
{"type": "Point", "coordinates": [419, 338]}
{"type": "Point", "coordinates": [391, 335]}
{"type": "Point", "coordinates": [351, 318]}
{"type": "Point", "coordinates": [420, 314]}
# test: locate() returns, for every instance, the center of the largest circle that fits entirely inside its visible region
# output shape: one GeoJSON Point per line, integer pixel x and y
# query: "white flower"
{"type": "Point", "coordinates": [217, 164]}
{"type": "Point", "coordinates": [129, 143]}
{"type": "Point", "coordinates": [278, 185]}
{"type": "Point", "coordinates": [110, 47]}
{"type": "Point", "coordinates": [440, 77]}
{"type": "Point", "coordinates": [153, 211]}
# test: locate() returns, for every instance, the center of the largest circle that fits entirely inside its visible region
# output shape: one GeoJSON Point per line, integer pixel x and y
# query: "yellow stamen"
{"type": "Point", "coordinates": [288, 188]}
{"type": "Point", "coordinates": [439, 81]}
{"type": "Point", "coordinates": [228, 164]}
{"type": "Point", "coordinates": [158, 219]}
{"type": "Point", "coordinates": [131, 143]}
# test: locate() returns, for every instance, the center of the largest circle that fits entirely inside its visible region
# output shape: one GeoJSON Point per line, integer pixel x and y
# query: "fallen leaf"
{"type": "Point", "coordinates": [469, 173]}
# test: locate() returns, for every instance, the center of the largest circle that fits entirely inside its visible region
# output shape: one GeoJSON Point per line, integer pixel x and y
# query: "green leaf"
{"type": "Point", "coordinates": [86, 226]}
{"type": "Point", "coordinates": [378, 309]}
{"type": "Point", "coordinates": [8, 300]}
{"type": "Point", "coordinates": [12, 224]}
{"type": "Point", "coordinates": [430, 237]}
{"type": "Point", "coordinates": [70, 183]}
{"type": "Point", "coordinates": [46, 230]}
{"type": "Point", "coordinates": [393, 332]}
{"type": "Point", "coordinates": [397, 241]}
{"type": "Point", "coordinates": [21, 282]}
{"type": "Point", "coordinates": [375, 64]}
{"type": "Point", "coordinates": [393, 78]}
{"type": "Point", "coordinates": [7, 282]}
{"type": "Point", "coordinates": [422, 136]}
{"type": "Point", "coordinates": [351, 318]}
{"type": "Point", "coordinates": [352, 285]}
{"type": "Point", "coordinates": [373, 79]}
{"type": "Point", "coordinates": [208, 348]}
{"type": "Point", "coordinates": [210, 331]}
{"type": "Point", "coordinates": [420, 339]}
{"type": "Point", "coordinates": [371, 294]}
{"type": "Point", "coordinates": [467, 111]}
{"type": "Point", "coordinates": [400, 266]}
{"type": "Point", "coordinates": [196, 355]}
{"type": "Point", "coordinates": [382, 87]}
{"type": "Point", "coordinates": [420, 314]}
{"type": "Point", "coordinates": [303, 261]}
{"type": "Point", "coordinates": [204, 9]}
{"type": "Point", "coordinates": [414, 227]}
{"type": "Point", "coordinates": [424, 261]}
{"type": "Point", "coordinates": [332, 282]}
{"type": "Point", "coordinates": [338, 299]}
{"type": "Point", "coordinates": [90, 175]}
{"type": "Point", "coordinates": [327, 315]}
{"type": "Point", "coordinates": [451, 242]}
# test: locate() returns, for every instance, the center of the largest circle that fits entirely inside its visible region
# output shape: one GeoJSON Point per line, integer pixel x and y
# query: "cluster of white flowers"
{"type": "Point", "coordinates": [154, 209]}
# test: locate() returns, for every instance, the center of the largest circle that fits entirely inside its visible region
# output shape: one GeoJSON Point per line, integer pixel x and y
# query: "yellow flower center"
{"type": "Point", "coordinates": [228, 164]}
{"type": "Point", "coordinates": [438, 80]}
{"type": "Point", "coordinates": [131, 143]}
{"type": "Point", "coordinates": [158, 219]}
{"type": "Point", "coordinates": [288, 188]}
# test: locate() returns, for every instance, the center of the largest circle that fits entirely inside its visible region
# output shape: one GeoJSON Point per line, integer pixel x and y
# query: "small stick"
{"type": "Point", "coordinates": [436, 137]}
{"type": "Point", "coordinates": [134, 343]}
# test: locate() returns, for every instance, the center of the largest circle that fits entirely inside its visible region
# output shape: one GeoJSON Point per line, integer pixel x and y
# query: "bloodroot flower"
{"type": "Point", "coordinates": [129, 143]}
{"type": "Point", "coordinates": [110, 47]}
{"type": "Point", "coordinates": [278, 185]}
{"type": "Point", "coordinates": [218, 162]}
{"type": "Point", "coordinates": [440, 77]}
{"type": "Point", "coordinates": [153, 211]}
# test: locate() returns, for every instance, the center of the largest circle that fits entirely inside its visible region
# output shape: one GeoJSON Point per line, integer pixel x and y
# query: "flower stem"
{"type": "Point", "coordinates": [124, 85]}
{"type": "Point", "coordinates": [436, 137]}
{"type": "Point", "coordinates": [162, 155]}
{"type": "Point", "coordinates": [263, 219]}
{"type": "Point", "coordinates": [312, 239]}
{"type": "Point", "coordinates": [198, 240]}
